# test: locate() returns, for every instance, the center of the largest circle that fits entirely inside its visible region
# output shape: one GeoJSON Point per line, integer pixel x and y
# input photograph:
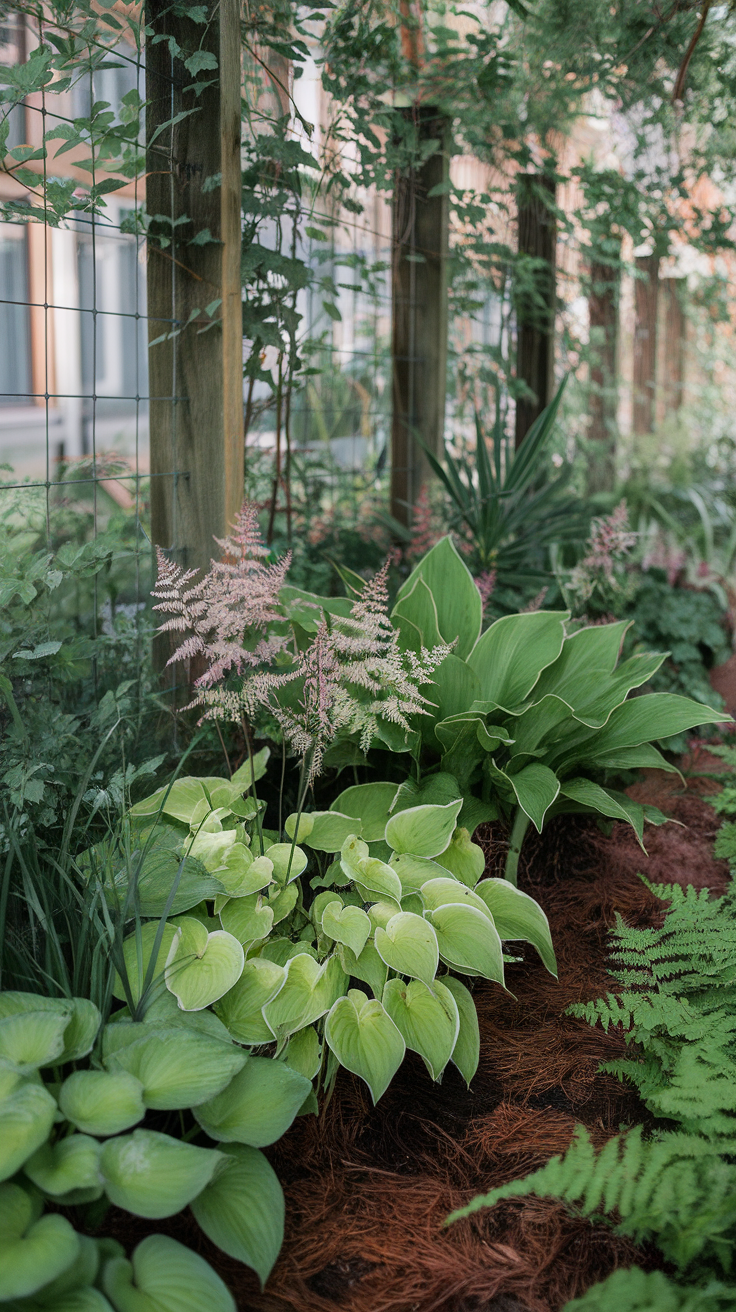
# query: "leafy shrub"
{"type": "Point", "coordinates": [673, 1186]}
{"type": "Point", "coordinates": [690, 626]}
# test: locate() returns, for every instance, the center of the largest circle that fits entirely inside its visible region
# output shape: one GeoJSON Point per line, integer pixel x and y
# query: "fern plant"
{"type": "Point", "coordinates": [676, 1186]}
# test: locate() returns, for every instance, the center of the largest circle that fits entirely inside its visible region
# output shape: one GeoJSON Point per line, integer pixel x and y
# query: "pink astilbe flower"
{"type": "Point", "coordinates": [425, 531]}
{"type": "Point", "coordinates": [610, 541]}
{"type": "Point", "coordinates": [227, 614]}
{"type": "Point", "coordinates": [485, 583]}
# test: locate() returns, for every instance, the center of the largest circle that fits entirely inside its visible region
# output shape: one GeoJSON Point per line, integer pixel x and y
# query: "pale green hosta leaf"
{"type": "Point", "coordinates": [32, 1252]}
{"type": "Point", "coordinates": [466, 1052]}
{"type": "Point", "coordinates": [463, 858]}
{"type": "Point", "coordinates": [413, 871]}
{"type": "Point", "coordinates": [323, 831]}
{"type": "Point", "coordinates": [26, 1117]}
{"type": "Point", "coordinates": [137, 964]}
{"type": "Point", "coordinates": [379, 914]}
{"type": "Point", "coordinates": [348, 925]}
{"type": "Point", "coordinates": [282, 901]}
{"type": "Point", "coordinates": [510, 656]}
{"type": "Point", "coordinates": [377, 879]}
{"type": "Point", "coordinates": [456, 597]}
{"type": "Point", "coordinates": [178, 1068]}
{"type": "Point", "coordinates": [440, 892]}
{"type": "Point", "coordinates": [353, 851]}
{"type": "Point", "coordinates": [246, 920]}
{"type": "Point", "coordinates": [85, 1298]}
{"type": "Point", "coordinates": [242, 1210]}
{"type": "Point", "coordinates": [33, 1038]}
{"type": "Point", "coordinates": [100, 1102]}
{"type": "Point", "coordinates": [179, 801]}
{"type": "Point", "coordinates": [241, 1008]}
{"type": "Point", "coordinates": [408, 945]}
{"type": "Point", "coordinates": [83, 1018]}
{"type": "Point", "coordinates": [536, 788]}
{"type": "Point", "coordinates": [163, 1009]}
{"type": "Point", "coordinates": [427, 1018]}
{"type": "Point", "coordinates": [211, 848]}
{"type": "Point", "coordinates": [72, 1290]}
{"type": "Point", "coordinates": [288, 863]}
{"type": "Point", "coordinates": [365, 1040]}
{"type": "Point", "coordinates": [71, 1164]}
{"type": "Point", "coordinates": [308, 992]}
{"type": "Point", "coordinates": [320, 902]}
{"type": "Point", "coordinates": [518, 916]}
{"type": "Point", "coordinates": [368, 967]}
{"type": "Point", "coordinates": [242, 873]}
{"type": "Point", "coordinates": [258, 1105]}
{"type": "Point", "coordinates": [468, 941]}
{"type": "Point", "coordinates": [370, 804]}
{"type": "Point", "coordinates": [153, 1175]}
{"type": "Point", "coordinates": [423, 830]}
{"type": "Point", "coordinates": [304, 1052]}
{"type": "Point", "coordinates": [201, 967]}
{"type": "Point", "coordinates": [164, 1276]}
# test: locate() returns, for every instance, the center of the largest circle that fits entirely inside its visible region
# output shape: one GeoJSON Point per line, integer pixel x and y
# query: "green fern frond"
{"type": "Point", "coordinates": [634, 1290]}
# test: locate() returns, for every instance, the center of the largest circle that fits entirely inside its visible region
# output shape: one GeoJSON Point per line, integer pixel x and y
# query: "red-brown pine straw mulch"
{"type": "Point", "coordinates": [368, 1189]}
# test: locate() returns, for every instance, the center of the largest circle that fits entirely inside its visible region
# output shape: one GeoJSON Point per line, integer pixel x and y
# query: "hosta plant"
{"type": "Point", "coordinates": [534, 716]}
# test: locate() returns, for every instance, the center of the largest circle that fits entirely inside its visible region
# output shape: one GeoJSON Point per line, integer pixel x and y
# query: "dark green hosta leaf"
{"type": "Point", "coordinates": [365, 1040]}
{"type": "Point", "coordinates": [468, 941]}
{"type": "Point", "coordinates": [258, 1105]}
{"type": "Point", "coordinates": [370, 804]}
{"type": "Point", "coordinates": [153, 1175]}
{"type": "Point", "coordinates": [536, 788]}
{"type": "Point", "coordinates": [70, 1164]}
{"type": "Point", "coordinates": [415, 617]}
{"type": "Point", "coordinates": [27, 1113]}
{"type": "Point", "coordinates": [616, 806]}
{"type": "Point", "coordinates": [178, 1068]}
{"type": "Point", "coordinates": [427, 1018]}
{"type": "Point", "coordinates": [164, 1276]}
{"type": "Point", "coordinates": [242, 1210]}
{"type": "Point", "coordinates": [102, 1102]}
{"type": "Point", "coordinates": [518, 916]}
{"type": "Point", "coordinates": [643, 719]}
{"type": "Point", "coordinates": [457, 599]}
{"type": "Point", "coordinates": [466, 1052]}
{"type": "Point", "coordinates": [241, 1008]}
{"type": "Point", "coordinates": [33, 1251]}
{"type": "Point", "coordinates": [201, 967]}
{"type": "Point", "coordinates": [423, 830]}
{"type": "Point", "coordinates": [510, 656]}
{"type": "Point", "coordinates": [307, 992]}
{"type": "Point", "coordinates": [408, 945]}
{"type": "Point", "coordinates": [453, 688]}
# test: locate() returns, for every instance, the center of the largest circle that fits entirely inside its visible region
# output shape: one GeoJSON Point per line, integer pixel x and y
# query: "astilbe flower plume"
{"type": "Point", "coordinates": [227, 614]}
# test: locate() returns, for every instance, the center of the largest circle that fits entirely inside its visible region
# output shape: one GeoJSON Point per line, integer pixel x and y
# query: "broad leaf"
{"type": "Point", "coordinates": [33, 1038]}
{"type": "Point", "coordinates": [453, 688]}
{"type": "Point", "coordinates": [427, 1018]}
{"type": "Point", "coordinates": [377, 879]}
{"type": "Point", "coordinates": [201, 967]}
{"type": "Point", "coordinates": [369, 968]}
{"type": "Point", "coordinates": [408, 945]}
{"type": "Point", "coordinates": [304, 1052]}
{"type": "Point", "coordinates": [68, 1165]}
{"type": "Point", "coordinates": [164, 1276]}
{"type": "Point", "coordinates": [308, 991]}
{"type": "Point", "coordinates": [241, 1008]}
{"type": "Point", "coordinates": [413, 871]}
{"type": "Point", "coordinates": [518, 916]}
{"type": "Point", "coordinates": [137, 962]}
{"type": "Point", "coordinates": [324, 831]}
{"type": "Point", "coordinates": [365, 1040]}
{"type": "Point", "coordinates": [423, 830]}
{"type": "Point", "coordinates": [457, 599]}
{"type": "Point", "coordinates": [247, 919]}
{"type": "Point", "coordinates": [369, 803]}
{"type": "Point", "coordinates": [468, 941]}
{"type": "Point", "coordinates": [178, 1068]}
{"type": "Point", "coordinates": [289, 862]}
{"type": "Point", "coordinates": [415, 616]}
{"type": "Point", "coordinates": [160, 871]}
{"type": "Point", "coordinates": [179, 800]}
{"type": "Point", "coordinates": [102, 1102]}
{"type": "Point", "coordinates": [348, 925]}
{"type": "Point", "coordinates": [510, 656]}
{"type": "Point", "coordinates": [242, 1210]}
{"type": "Point", "coordinates": [26, 1117]}
{"type": "Point", "coordinates": [445, 891]}
{"type": "Point", "coordinates": [258, 1105]}
{"type": "Point", "coordinates": [536, 788]}
{"type": "Point", "coordinates": [153, 1175]}
{"type": "Point", "coordinates": [466, 1052]}
{"type": "Point", "coordinates": [32, 1252]}
{"type": "Point", "coordinates": [463, 858]}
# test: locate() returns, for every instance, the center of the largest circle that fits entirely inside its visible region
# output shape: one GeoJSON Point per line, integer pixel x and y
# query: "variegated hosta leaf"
{"type": "Point", "coordinates": [178, 1068]}
{"type": "Point", "coordinates": [323, 831]}
{"type": "Point", "coordinates": [247, 918]}
{"type": "Point", "coordinates": [468, 941]}
{"type": "Point", "coordinates": [32, 1251]}
{"type": "Point", "coordinates": [304, 1052]}
{"type": "Point", "coordinates": [69, 1165]}
{"type": "Point", "coordinates": [370, 804]}
{"type": "Point", "coordinates": [242, 873]}
{"type": "Point", "coordinates": [288, 863]}
{"type": "Point", "coordinates": [241, 1008]}
{"type": "Point", "coordinates": [466, 1053]}
{"type": "Point", "coordinates": [100, 1102]}
{"type": "Point", "coordinates": [348, 925]}
{"type": "Point", "coordinates": [518, 916]}
{"type": "Point", "coordinates": [439, 892]}
{"type": "Point", "coordinates": [427, 1018]}
{"type": "Point", "coordinates": [353, 851]}
{"type": "Point", "coordinates": [413, 871]}
{"type": "Point", "coordinates": [365, 1040]}
{"type": "Point", "coordinates": [137, 961]}
{"type": "Point", "coordinates": [242, 1210]}
{"type": "Point", "coordinates": [368, 967]}
{"type": "Point", "coordinates": [282, 901]}
{"type": "Point", "coordinates": [308, 992]}
{"type": "Point", "coordinates": [408, 945]}
{"type": "Point", "coordinates": [463, 858]}
{"type": "Point", "coordinates": [83, 1018]}
{"type": "Point", "coordinates": [164, 1276]}
{"type": "Point", "coordinates": [423, 830]}
{"type": "Point", "coordinates": [153, 1175]}
{"type": "Point", "coordinates": [211, 848]}
{"type": "Point", "coordinates": [200, 966]}
{"type": "Point", "coordinates": [258, 1105]}
{"type": "Point", "coordinates": [376, 879]}
{"type": "Point", "coordinates": [26, 1117]}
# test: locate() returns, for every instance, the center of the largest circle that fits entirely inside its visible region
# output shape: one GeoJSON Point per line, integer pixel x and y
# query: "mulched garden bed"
{"type": "Point", "coordinates": [368, 1189]}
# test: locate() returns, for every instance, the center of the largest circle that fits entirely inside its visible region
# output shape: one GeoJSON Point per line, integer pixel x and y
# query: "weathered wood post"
{"type": "Point", "coordinates": [193, 198]}
{"type": "Point", "coordinates": [535, 306]}
{"type": "Point", "coordinates": [419, 311]}
{"type": "Point", "coordinates": [646, 289]}
{"type": "Point", "coordinates": [603, 311]}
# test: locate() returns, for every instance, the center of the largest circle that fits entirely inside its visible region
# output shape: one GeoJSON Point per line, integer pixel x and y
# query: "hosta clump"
{"type": "Point", "coordinates": [534, 716]}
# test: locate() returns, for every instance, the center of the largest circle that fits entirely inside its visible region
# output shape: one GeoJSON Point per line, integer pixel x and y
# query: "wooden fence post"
{"type": "Point", "coordinates": [193, 192]}
{"type": "Point", "coordinates": [535, 306]}
{"type": "Point", "coordinates": [646, 288]}
{"type": "Point", "coordinates": [603, 307]}
{"type": "Point", "coordinates": [675, 330]}
{"type": "Point", "coordinates": [419, 313]}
